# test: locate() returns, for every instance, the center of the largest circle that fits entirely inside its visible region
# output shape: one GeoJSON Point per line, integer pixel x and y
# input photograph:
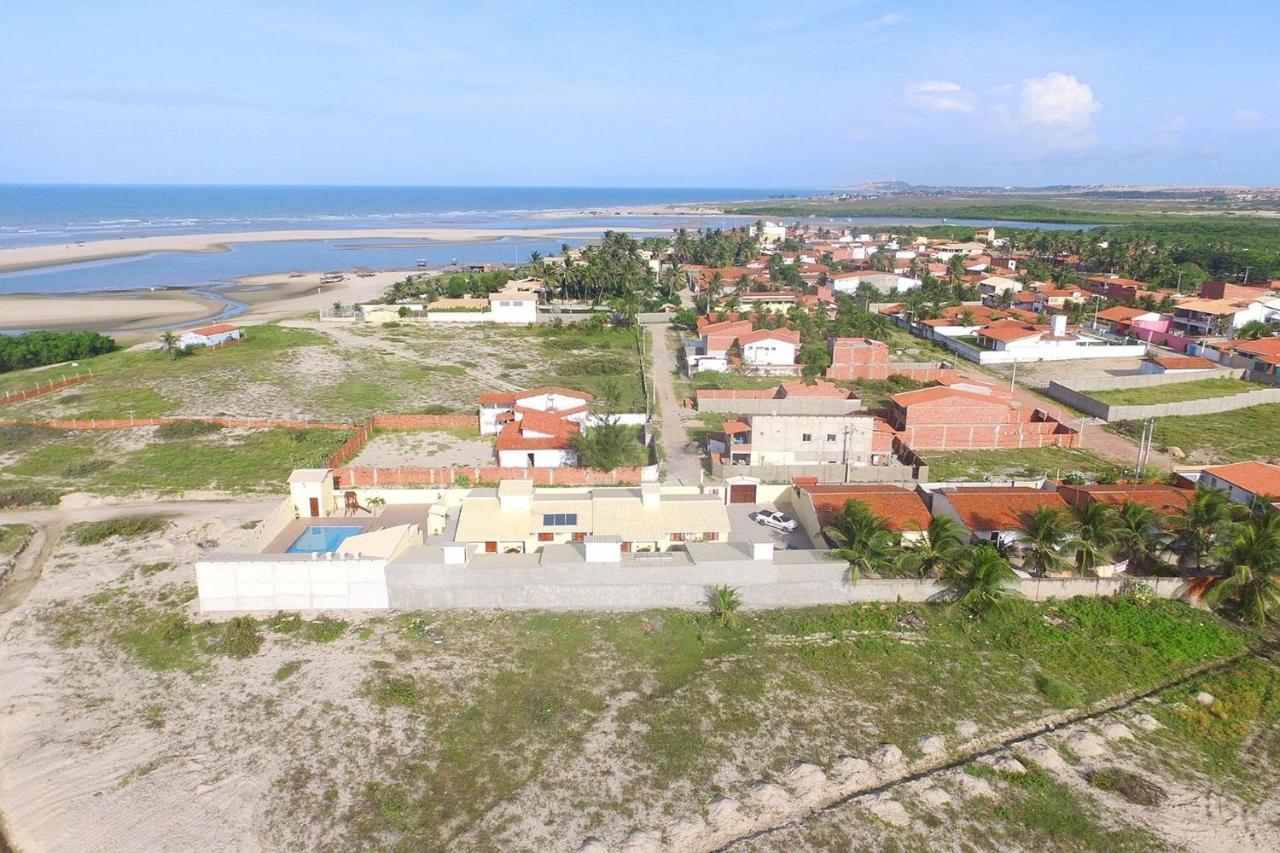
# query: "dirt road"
{"type": "Point", "coordinates": [682, 459]}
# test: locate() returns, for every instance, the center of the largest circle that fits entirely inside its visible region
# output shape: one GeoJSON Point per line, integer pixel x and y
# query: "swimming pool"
{"type": "Point", "coordinates": [322, 540]}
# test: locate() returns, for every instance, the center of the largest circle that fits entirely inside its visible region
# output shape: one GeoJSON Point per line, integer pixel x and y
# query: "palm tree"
{"type": "Point", "coordinates": [861, 537]}
{"type": "Point", "coordinates": [1140, 536]}
{"type": "Point", "coordinates": [933, 554]}
{"type": "Point", "coordinates": [1047, 538]}
{"type": "Point", "coordinates": [1097, 533]}
{"type": "Point", "coordinates": [981, 578]}
{"type": "Point", "coordinates": [1196, 529]}
{"type": "Point", "coordinates": [170, 343]}
{"type": "Point", "coordinates": [724, 603]}
{"type": "Point", "coordinates": [1251, 563]}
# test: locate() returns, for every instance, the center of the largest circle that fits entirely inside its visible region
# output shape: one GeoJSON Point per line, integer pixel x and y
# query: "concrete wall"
{"type": "Point", "coordinates": [784, 406]}
{"type": "Point", "coordinates": [1076, 394]}
{"type": "Point", "coordinates": [902, 474]}
{"type": "Point", "coordinates": [270, 582]}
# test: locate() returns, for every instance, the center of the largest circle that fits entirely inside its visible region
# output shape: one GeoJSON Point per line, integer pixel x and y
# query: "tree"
{"type": "Point", "coordinates": [1253, 330]}
{"type": "Point", "coordinates": [862, 538]}
{"type": "Point", "coordinates": [605, 446]}
{"type": "Point", "coordinates": [1251, 563]}
{"type": "Point", "coordinates": [1196, 528]}
{"type": "Point", "coordinates": [1047, 539]}
{"type": "Point", "coordinates": [981, 579]}
{"type": "Point", "coordinates": [815, 359]}
{"type": "Point", "coordinates": [935, 553]}
{"type": "Point", "coordinates": [1140, 536]}
{"type": "Point", "coordinates": [169, 341]}
{"type": "Point", "coordinates": [724, 602]}
{"type": "Point", "coordinates": [1096, 534]}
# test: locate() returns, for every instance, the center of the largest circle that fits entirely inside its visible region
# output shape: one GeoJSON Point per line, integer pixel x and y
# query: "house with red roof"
{"type": "Point", "coordinates": [770, 347]}
{"type": "Point", "coordinates": [210, 336]}
{"type": "Point", "coordinates": [1176, 364]}
{"type": "Point", "coordinates": [996, 514]}
{"type": "Point", "coordinates": [537, 440]}
{"type": "Point", "coordinates": [1164, 499]}
{"type": "Point", "coordinates": [973, 415]}
{"type": "Point", "coordinates": [499, 408]}
{"type": "Point", "coordinates": [816, 506]}
{"type": "Point", "coordinates": [1250, 483]}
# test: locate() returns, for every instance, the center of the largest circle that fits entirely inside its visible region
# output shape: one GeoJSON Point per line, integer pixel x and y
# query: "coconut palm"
{"type": "Point", "coordinates": [1140, 536]}
{"type": "Point", "coordinates": [1196, 528]}
{"type": "Point", "coordinates": [1046, 541]}
{"type": "Point", "coordinates": [861, 537]}
{"type": "Point", "coordinates": [981, 578]}
{"type": "Point", "coordinates": [169, 341]}
{"type": "Point", "coordinates": [1096, 532]}
{"type": "Point", "coordinates": [1250, 563]}
{"type": "Point", "coordinates": [932, 554]}
{"type": "Point", "coordinates": [724, 603]}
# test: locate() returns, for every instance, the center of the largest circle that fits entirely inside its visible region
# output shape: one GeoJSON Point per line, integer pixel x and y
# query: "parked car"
{"type": "Point", "coordinates": [776, 520]}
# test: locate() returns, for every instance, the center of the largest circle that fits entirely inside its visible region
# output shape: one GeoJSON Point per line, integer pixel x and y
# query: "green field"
{"type": "Point", "coordinates": [12, 538]}
{"type": "Point", "coordinates": [1201, 389]}
{"type": "Point", "coordinates": [1011, 464]}
{"type": "Point", "coordinates": [124, 462]}
{"type": "Point", "coordinates": [1252, 433]}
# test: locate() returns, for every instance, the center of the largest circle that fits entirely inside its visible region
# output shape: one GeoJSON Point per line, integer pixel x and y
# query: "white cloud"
{"type": "Point", "coordinates": [1248, 119]}
{"type": "Point", "coordinates": [941, 95]}
{"type": "Point", "coordinates": [1061, 108]}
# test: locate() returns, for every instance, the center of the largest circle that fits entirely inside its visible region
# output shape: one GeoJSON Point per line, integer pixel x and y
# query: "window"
{"type": "Point", "coordinates": [579, 537]}
{"type": "Point", "coordinates": [677, 537]}
{"type": "Point", "coordinates": [711, 536]}
{"type": "Point", "coordinates": [831, 436]}
{"type": "Point", "coordinates": [807, 436]}
{"type": "Point", "coordinates": [559, 519]}
{"type": "Point", "coordinates": [546, 537]}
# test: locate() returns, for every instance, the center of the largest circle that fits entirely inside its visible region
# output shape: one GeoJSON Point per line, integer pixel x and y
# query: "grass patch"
{"type": "Point", "coordinates": [1238, 436]}
{"type": "Point", "coordinates": [13, 538]}
{"type": "Point", "coordinates": [323, 629]}
{"type": "Point", "coordinates": [286, 671]}
{"type": "Point", "coordinates": [1137, 789]}
{"type": "Point", "coordinates": [1179, 392]}
{"type": "Point", "coordinates": [128, 527]}
{"type": "Point", "coordinates": [13, 496]}
{"type": "Point", "coordinates": [186, 429]}
{"type": "Point", "coordinates": [1024, 463]}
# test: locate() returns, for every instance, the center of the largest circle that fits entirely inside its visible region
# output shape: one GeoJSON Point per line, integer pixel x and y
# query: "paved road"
{"type": "Point", "coordinates": [683, 462]}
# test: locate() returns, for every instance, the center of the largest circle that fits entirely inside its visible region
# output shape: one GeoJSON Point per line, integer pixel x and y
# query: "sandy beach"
{"type": "Point", "coordinates": [55, 254]}
{"type": "Point", "coordinates": [133, 315]}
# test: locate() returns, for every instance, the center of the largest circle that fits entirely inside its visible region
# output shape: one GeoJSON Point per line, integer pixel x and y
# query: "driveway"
{"type": "Point", "coordinates": [745, 530]}
{"type": "Point", "coordinates": [683, 459]}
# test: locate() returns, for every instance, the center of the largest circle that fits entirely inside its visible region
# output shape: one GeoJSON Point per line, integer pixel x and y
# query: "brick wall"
{"type": "Point", "coordinates": [920, 373]}
{"type": "Point", "coordinates": [39, 390]}
{"type": "Point", "coordinates": [127, 423]}
{"type": "Point", "coordinates": [988, 436]}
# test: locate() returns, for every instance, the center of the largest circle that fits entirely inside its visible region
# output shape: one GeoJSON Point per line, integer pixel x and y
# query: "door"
{"type": "Point", "coordinates": [315, 507]}
{"type": "Point", "coordinates": [742, 493]}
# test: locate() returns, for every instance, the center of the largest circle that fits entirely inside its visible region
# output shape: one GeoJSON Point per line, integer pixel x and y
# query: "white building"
{"type": "Point", "coordinates": [886, 282]}
{"type": "Point", "coordinates": [500, 408]}
{"type": "Point", "coordinates": [208, 336]}
{"type": "Point", "coordinates": [770, 347]}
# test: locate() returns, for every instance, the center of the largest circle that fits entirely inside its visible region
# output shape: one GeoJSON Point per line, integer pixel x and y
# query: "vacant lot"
{"type": "Point", "coordinates": [129, 461]}
{"type": "Point", "coordinates": [426, 448]}
{"type": "Point", "coordinates": [325, 372]}
{"type": "Point", "coordinates": [1011, 464]}
{"type": "Point", "coordinates": [1252, 433]}
{"type": "Point", "coordinates": [528, 731]}
{"type": "Point", "coordinates": [1179, 392]}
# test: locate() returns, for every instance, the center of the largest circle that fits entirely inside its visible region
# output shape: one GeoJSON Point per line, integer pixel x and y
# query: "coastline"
{"type": "Point", "coordinates": [19, 258]}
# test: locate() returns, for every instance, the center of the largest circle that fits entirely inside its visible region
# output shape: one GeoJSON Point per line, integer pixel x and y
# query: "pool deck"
{"type": "Point", "coordinates": [390, 516]}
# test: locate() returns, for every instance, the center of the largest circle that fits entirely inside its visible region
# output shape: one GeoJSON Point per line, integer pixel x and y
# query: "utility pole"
{"type": "Point", "coordinates": [1013, 376]}
{"type": "Point", "coordinates": [1246, 275]}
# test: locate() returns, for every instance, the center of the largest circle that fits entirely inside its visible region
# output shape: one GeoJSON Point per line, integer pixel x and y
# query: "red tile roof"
{"type": "Point", "coordinates": [820, 388]}
{"type": "Point", "coordinates": [786, 335]}
{"type": "Point", "coordinates": [903, 509]}
{"type": "Point", "coordinates": [216, 329]}
{"type": "Point", "coordinates": [1000, 508]}
{"type": "Point", "coordinates": [942, 393]}
{"type": "Point", "coordinates": [1184, 362]}
{"type": "Point", "coordinates": [731, 427]}
{"type": "Point", "coordinates": [1165, 499]}
{"type": "Point", "coordinates": [512, 436]}
{"type": "Point", "coordinates": [1257, 478]}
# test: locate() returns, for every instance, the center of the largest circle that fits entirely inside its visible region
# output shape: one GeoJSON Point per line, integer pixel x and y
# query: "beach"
{"type": "Point", "coordinates": [17, 258]}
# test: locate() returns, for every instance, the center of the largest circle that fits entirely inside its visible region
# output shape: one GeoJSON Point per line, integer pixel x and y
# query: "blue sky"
{"type": "Point", "coordinates": [634, 94]}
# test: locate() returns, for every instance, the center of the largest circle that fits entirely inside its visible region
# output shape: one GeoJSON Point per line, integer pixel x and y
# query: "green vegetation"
{"type": "Point", "coordinates": [13, 538]}
{"type": "Point", "coordinates": [1238, 436]}
{"type": "Point", "coordinates": [126, 527]}
{"type": "Point", "coordinates": [1202, 389]}
{"type": "Point", "coordinates": [257, 460]}
{"type": "Point", "coordinates": [286, 671]}
{"type": "Point", "coordinates": [35, 349]}
{"type": "Point", "coordinates": [186, 429]}
{"type": "Point", "coordinates": [610, 445]}
{"type": "Point", "coordinates": [1014, 464]}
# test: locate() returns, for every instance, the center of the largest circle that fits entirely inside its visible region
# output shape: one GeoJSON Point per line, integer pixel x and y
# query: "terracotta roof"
{"type": "Point", "coordinates": [1001, 508]}
{"type": "Point", "coordinates": [1165, 499]}
{"type": "Point", "coordinates": [1183, 362]}
{"type": "Point", "coordinates": [1121, 313]}
{"type": "Point", "coordinates": [731, 427]}
{"type": "Point", "coordinates": [510, 397]}
{"type": "Point", "coordinates": [512, 436]}
{"type": "Point", "coordinates": [216, 329]}
{"type": "Point", "coordinates": [1262, 346]}
{"type": "Point", "coordinates": [1211, 306]}
{"type": "Point", "coordinates": [820, 388]}
{"type": "Point", "coordinates": [904, 509]}
{"type": "Point", "coordinates": [941, 393]}
{"type": "Point", "coordinates": [1257, 478]}
{"type": "Point", "coordinates": [786, 335]}
{"type": "Point", "coordinates": [726, 327]}
{"type": "Point", "coordinates": [1127, 282]}
{"type": "Point", "coordinates": [767, 295]}
{"type": "Point", "coordinates": [1011, 330]}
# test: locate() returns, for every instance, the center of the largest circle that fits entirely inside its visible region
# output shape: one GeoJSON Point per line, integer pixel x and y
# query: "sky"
{"type": "Point", "coordinates": [697, 94]}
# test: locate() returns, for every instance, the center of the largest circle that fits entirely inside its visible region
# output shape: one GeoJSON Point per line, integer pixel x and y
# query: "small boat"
{"type": "Point", "coordinates": [422, 263]}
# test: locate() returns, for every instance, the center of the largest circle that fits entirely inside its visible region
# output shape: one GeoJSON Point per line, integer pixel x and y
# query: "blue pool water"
{"type": "Point", "coordinates": [322, 540]}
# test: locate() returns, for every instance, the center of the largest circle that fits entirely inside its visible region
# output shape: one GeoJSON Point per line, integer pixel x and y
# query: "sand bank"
{"type": "Point", "coordinates": [48, 255]}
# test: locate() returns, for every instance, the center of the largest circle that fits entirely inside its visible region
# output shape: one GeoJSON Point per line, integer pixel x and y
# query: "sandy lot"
{"type": "Point", "coordinates": [106, 312]}
{"type": "Point", "coordinates": [423, 450]}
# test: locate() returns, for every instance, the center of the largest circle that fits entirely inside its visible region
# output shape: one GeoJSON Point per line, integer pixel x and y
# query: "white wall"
{"type": "Point", "coordinates": [541, 458]}
{"type": "Point", "coordinates": [769, 352]}
{"type": "Point", "coordinates": [291, 582]}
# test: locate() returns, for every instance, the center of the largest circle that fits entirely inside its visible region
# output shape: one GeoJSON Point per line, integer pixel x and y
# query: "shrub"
{"type": "Point", "coordinates": [1059, 693]}
{"type": "Point", "coordinates": [186, 429]}
{"type": "Point", "coordinates": [600, 365]}
{"type": "Point", "coordinates": [397, 691]}
{"type": "Point", "coordinates": [19, 496]}
{"type": "Point", "coordinates": [128, 527]}
{"type": "Point", "coordinates": [724, 602]}
{"type": "Point", "coordinates": [1138, 790]}
{"type": "Point", "coordinates": [240, 639]}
